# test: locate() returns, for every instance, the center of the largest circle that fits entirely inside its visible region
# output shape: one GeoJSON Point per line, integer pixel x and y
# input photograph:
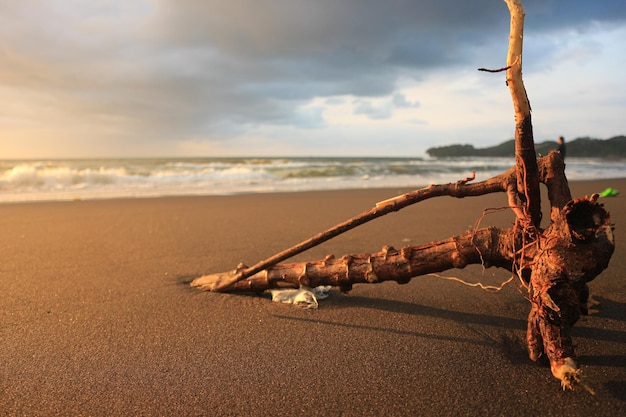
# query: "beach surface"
{"type": "Point", "coordinates": [98, 318]}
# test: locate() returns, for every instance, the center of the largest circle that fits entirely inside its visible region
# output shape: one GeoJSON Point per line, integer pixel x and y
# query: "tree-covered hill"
{"type": "Point", "coordinates": [581, 147]}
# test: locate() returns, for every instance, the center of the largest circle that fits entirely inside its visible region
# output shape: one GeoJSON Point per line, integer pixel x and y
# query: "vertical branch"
{"type": "Point", "coordinates": [525, 157]}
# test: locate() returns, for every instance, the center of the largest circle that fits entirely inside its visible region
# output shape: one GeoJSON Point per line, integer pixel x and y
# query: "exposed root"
{"type": "Point", "coordinates": [488, 288]}
{"type": "Point", "coordinates": [570, 375]}
{"type": "Point", "coordinates": [567, 371]}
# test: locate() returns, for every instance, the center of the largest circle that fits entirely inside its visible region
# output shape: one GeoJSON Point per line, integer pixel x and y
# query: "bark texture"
{"type": "Point", "coordinates": [554, 265]}
{"type": "Point", "coordinates": [525, 158]}
{"type": "Point", "coordinates": [389, 264]}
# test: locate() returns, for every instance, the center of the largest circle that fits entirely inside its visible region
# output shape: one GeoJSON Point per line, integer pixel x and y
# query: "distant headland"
{"type": "Point", "coordinates": [614, 147]}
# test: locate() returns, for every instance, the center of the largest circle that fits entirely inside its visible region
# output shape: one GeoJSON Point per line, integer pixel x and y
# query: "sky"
{"type": "Point", "coordinates": [209, 78]}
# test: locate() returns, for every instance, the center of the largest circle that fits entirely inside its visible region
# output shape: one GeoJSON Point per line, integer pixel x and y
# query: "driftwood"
{"type": "Point", "coordinates": [553, 264]}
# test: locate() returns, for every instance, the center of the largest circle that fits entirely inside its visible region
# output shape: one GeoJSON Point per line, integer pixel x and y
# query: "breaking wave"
{"type": "Point", "coordinates": [30, 180]}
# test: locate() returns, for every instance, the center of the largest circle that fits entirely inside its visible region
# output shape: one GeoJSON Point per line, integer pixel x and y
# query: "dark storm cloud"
{"type": "Point", "coordinates": [285, 52]}
{"type": "Point", "coordinates": [189, 67]}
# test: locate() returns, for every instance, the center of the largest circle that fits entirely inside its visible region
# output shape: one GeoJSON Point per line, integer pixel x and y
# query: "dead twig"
{"type": "Point", "coordinates": [494, 70]}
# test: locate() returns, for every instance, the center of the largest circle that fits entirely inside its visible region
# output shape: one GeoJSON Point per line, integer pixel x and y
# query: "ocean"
{"type": "Point", "coordinates": [83, 179]}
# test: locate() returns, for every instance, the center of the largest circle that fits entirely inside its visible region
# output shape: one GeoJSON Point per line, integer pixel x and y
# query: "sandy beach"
{"type": "Point", "coordinates": [98, 318]}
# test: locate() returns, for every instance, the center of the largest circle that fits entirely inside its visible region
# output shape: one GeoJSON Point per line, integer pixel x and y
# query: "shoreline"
{"type": "Point", "coordinates": [68, 180]}
{"type": "Point", "coordinates": [99, 317]}
{"type": "Point", "coordinates": [399, 189]}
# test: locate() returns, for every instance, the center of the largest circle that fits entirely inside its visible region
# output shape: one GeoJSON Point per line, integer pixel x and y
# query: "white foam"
{"type": "Point", "coordinates": [91, 179]}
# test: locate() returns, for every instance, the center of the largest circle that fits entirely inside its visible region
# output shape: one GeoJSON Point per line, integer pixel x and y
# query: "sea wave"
{"type": "Point", "coordinates": [110, 178]}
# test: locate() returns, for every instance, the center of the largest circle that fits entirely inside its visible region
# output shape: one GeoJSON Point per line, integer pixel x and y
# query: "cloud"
{"type": "Point", "coordinates": [371, 110]}
{"type": "Point", "coordinates": [384, 107]}
{"type": "Point", "coordinates": [399, 100]}
{"type": "Point", "coordinates": [175, 70]}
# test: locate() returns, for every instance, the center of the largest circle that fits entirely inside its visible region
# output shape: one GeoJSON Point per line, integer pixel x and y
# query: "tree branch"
{"type": "Point", "coordinates": [489, 245]}
{"type": "Point", "coordinates": [494, 70]}
{"type": "Point", "coordinates": [554, 264]}
{"type": "Point", "coordinates": [459, 189]}
{"type": "Point", "coordinates": [525, 157]}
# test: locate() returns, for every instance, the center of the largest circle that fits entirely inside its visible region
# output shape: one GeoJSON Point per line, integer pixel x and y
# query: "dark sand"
{"type": "Point", "coordinates": [98, 320]}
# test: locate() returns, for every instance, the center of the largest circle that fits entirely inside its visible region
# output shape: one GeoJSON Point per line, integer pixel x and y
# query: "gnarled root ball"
{"type": "Point", "coordinates": [573, 251]}
{"type": "Point", "coordinates": [555, 309]}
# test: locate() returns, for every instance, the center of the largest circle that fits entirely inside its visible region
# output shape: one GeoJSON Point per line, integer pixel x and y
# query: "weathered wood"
{"type": "Point", "coordinates": [499, 248]}
{"type": "Point", "coordinates": [555, 268]}
{"type": "Point", "coordinates": [525, 157]}
{"type": "Point", "coordinates": [459, 189]}
{"type": "Point", "coordinates": [572, 251]}
{"type": "Point", "coordinates": [554, 264]}
{"type": "Point", "coordinates": [489, 245]}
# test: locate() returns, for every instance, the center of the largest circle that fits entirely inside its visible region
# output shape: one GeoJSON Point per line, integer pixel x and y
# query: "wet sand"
{"type": "Point", "coordinates": [98, 318]}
